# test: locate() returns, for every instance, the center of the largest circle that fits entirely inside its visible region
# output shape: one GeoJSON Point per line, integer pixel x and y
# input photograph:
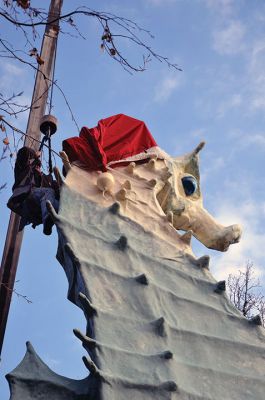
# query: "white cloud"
{"type": "Point", "coordinates": [198, 133]}
{"type": "Point", "coordinates": [257, 139]}
{"type": "Point", "coordinates": [248, 138]}
{"type": "Point", "coordinates": [12, 69]}
{"type": "Point", "coordinates": [224, 7]}
{"type": "Point", "coordinates": [232, 102]}
{"type": "Point", "coordinates": [161, 2]}
{"type": "Point", "coordinates": [215, 164]}
{"type": "Point", "coordinates": [13, 82]}
{"type": "Point", "coordinates": [166, 88]}
{"type": "Point", "coordinates": [229, 40]}
{"type": "Point", "coordinates": [256, 75]}
{"type": "Point", "coordinates": [9, 75]}
{"type": "Point", "coordinates": [245, 90]}
{"type": "Point", "coordinates": [51, 361]}
{"type": "Point", "coordinates": [220, 89]}
{"type": "Point", "coordinates": [251, 245]}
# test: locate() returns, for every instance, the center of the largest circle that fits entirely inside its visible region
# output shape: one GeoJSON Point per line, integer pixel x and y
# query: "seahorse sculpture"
{"type": "Point", "coordinates": [158, 324]}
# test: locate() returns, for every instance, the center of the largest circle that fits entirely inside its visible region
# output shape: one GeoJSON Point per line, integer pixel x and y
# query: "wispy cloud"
{"type": "Point", "coordinates": [166, 87]}
{"type": "Point", "coordinates": [233, 101]}
{"type": "Point", "coordinates": [256, 75]}
{"type": "Point", "coordinates": [13, 81]}
{"type": "Point", "coordinates": [9, 75]}
{"type": "Point", "coordinates": [215, 164]}
{"type": "Point", "coordinates": [224, 7]}
{"type": "Point", "coordinates": [161, 2]}
{"type": "Point", "coordinates": [233, 36]}
{"type": "Point", "coordinates": [251, 246]}
{"type": "Point", "coordinates": [244, 90]}
{"type": "Point", "coordinates": [12, 68]}
{"type": "Point", "coordinates": [250, 140]}
{"type": "Point", "coordinates": [51, 361]}
{"type": "Point", "coordinates": [257, 139]}
{"type": "Point", "coordinates": [219, 90]}
{"type": "Point", "coordinates": [230, 39]}
{"type": "Point", "coordinates": [247, 138]}
{"type": "Point", "coordinates": [198, 133]}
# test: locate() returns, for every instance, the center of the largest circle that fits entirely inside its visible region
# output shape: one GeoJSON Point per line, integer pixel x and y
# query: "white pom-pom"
{"type": "Point", "coordinates": [105, 182]}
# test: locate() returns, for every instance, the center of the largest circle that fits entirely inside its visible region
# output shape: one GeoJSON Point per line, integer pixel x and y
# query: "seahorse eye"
{"type": "Point", "coordinates": [189, 184]}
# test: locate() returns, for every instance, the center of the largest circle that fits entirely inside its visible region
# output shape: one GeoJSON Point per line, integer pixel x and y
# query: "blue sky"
{"type": "Point", "coordinates": [219, 97]}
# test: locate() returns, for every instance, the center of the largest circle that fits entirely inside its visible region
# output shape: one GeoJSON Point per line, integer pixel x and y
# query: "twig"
{"type": "Point", "coordinates": [17, 293]}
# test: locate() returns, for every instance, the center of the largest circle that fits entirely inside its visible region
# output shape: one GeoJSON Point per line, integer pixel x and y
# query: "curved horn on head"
{"type": "Point", "coordinates": [198, 148]}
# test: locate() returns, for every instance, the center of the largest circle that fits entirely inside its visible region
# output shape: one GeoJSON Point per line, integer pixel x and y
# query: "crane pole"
{"type": "Point", "coordinates": [14, 234]}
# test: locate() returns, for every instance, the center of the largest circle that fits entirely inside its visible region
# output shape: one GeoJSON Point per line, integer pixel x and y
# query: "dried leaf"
{"type": "Point", "coordinates": [107, 37]}
{"type": "Point", "coordinates": [102, 47]}
{"type": "Point", "coordinates": [70, 21]}
{"type": "Point", "coordinates": [40, 61]}
{"type": "Point", "coordinates": [112, 52]}
{"type": "Point", "coordinates": [2, 127]}
{"type": "Point", "coordinates": [35, 12]}
{"type": "Point", "coordinates": [33, 52]}
{"type": "Point", "coordinates": [1, 117]}
{"type": "Point", "coordinates": [6, 141]}
{"type": "Point", "coordinates": [23, 4]}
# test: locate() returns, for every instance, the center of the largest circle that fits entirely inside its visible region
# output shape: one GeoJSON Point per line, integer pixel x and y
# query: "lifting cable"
{"type": "Point", "coordinates": [49, 125]}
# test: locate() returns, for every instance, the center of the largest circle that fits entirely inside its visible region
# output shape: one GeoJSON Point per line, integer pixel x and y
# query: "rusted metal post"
{"type": "Point", "coordinates": [39, 99]}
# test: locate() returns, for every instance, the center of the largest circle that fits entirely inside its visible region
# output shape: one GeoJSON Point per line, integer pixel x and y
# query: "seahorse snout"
{"type": "Point", "coordinates": [228, 235]}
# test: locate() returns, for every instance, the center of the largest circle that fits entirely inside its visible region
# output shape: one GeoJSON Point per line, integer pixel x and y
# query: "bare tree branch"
{"type": "Point", "coordinates": [109, 22]}
{"type": "Point", "coordinates": [17, 293]}
{"type": "Point", "coordinates": [244, 294]}
{"type": "Point", "coordinates": [27, 20]}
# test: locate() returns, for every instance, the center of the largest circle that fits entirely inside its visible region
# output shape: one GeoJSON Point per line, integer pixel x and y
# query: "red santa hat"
{"type": "Point", "coordinates": [116, 139]}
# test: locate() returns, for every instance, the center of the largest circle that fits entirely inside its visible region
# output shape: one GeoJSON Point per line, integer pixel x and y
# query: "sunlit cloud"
{"type": "Point", "coordinates": [256, 75]}
{"type": "Point", "coordinates": [230, 39]}
{"type": "Point", "coordinates": [232, 102]}
{"type": "Point", "coordinates": [9, 75]}
{"type": "Point", "coordinates": [198, 133]}
{"type": "Point", "coordinates": [161, 2]}
{"type": "Point", "coordinates": [166, 87]}
{"type": "Point", "coordinates": [251, 247]}
{"type": "Point", "coordinates": [257, 139]}
{"type": "Point", "coordinates": [224, 7]}
{"type": "Point", "coordinates": [247, 139]}
{"type": "Point", "coordinates": [219, 91]}
{"type": "Point", "coordinates": [214, 164]}
{"type": "Point", "coordinates": [13, 82]}
{"type": "Point", "coordinates": [51, 361]}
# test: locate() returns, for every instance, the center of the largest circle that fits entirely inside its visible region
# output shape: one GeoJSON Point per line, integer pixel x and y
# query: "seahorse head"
{"type": "Point", "coordinates": [181, 196]}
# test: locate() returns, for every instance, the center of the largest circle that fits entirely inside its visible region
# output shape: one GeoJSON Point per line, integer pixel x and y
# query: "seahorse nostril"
{"type": "Point", "coordinates": [236, 232]}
